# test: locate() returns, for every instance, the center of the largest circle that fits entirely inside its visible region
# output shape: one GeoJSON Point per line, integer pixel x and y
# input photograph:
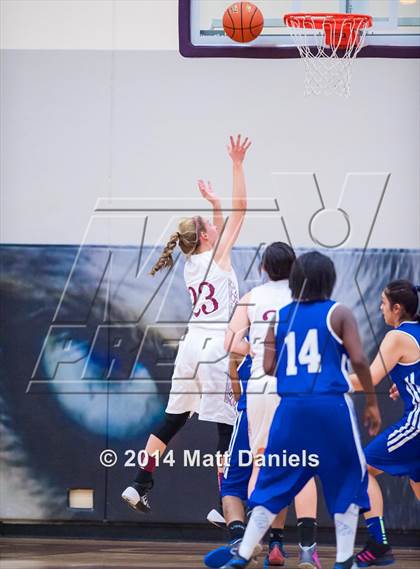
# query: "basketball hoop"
{"type": "Point", "coordinates": [328, 44]}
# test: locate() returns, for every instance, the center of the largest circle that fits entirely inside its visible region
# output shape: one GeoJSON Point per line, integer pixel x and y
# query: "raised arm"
{"type": "Point", "coordinates": [209, 195]}
{"type": "Point", "coordinates": [387, 357]}
{"type": "Point", "coordinates": [345, 326]}
{"type": "Point", "coordinates": [237, 151]}
{"type": "Point", "coordinates": [235, 341]}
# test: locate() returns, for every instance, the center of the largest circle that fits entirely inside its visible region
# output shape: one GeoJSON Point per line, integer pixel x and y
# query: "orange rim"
{"type": "Point", "coordinates": [341, 30]}
{"type": "Point", "coordinates": [317, 19]}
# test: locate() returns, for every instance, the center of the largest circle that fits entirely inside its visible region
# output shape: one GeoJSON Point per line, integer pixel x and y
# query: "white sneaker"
{"type": "Point", "coordinates": [137, 498]}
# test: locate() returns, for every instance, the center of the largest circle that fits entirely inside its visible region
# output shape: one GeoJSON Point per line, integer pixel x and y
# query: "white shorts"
{"type": "Point", "coordinates": [201, 383]}
{"type": "Point", "coordinates": [262, 401]}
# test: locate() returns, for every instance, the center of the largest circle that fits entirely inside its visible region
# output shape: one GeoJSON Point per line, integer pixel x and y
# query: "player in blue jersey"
{"type": "Point", "coordinates": [256, 406]}
{"type": "Point", "coordinates": [235, 487]}
{"type": "Point", "coordinates": [314, 430]}
{"type": "Point", "coordinates": [397, 449]}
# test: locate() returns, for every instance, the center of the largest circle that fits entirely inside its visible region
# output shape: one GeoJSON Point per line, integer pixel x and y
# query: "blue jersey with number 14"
{"type": "Point", "coordinates": [311, 358]}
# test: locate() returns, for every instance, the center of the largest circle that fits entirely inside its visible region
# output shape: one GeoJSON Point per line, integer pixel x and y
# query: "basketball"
{"type": "Point", "coordinates": [243, 22]}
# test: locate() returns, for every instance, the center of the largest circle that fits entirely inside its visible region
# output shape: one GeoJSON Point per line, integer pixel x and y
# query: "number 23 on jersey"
{"type": "Point", "coordinates": [205, 293]}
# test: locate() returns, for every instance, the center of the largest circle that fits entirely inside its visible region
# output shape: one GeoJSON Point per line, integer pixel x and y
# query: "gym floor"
{"type": "Point", "coordinates": [24, 553]}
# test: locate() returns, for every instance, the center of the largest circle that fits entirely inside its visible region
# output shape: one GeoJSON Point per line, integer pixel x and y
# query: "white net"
{"type": "Point", "coordinates": [328, 45]}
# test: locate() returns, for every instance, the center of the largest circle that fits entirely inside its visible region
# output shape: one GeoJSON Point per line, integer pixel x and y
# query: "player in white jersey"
{"type": "Point", "coordinates": [200, 383]}
{"type": "Point", "coordinates": [252, 317]}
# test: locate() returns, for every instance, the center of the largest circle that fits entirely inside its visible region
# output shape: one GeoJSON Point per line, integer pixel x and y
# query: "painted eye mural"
{"type": "Point", "coordinates": [126, 416]}
{"type": "Point", "coordinates": [79, 367]}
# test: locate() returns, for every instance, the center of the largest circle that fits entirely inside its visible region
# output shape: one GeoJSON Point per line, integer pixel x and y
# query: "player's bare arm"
{"type": "Point", "coordinates": [237, 151]}
{"type": "Point", "coordinates": [387, 357]}
{"type": "Point", "coordinates": [345, 326]}
{"type": "Point", "coordinates": [208, 194]}
{"type": "Point", "coordinates": [235, 341]}
{"type": "Point", "coordinates": [395, 348]}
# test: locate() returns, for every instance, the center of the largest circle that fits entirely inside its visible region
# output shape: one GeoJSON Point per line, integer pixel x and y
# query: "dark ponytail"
{"type": "Point", "coordinates": [407, 295]}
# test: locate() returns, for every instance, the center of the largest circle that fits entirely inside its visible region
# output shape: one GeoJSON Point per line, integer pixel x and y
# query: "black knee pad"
{"type": "Point", "coordinates": [172, 424]}
{"type": "Point", "coordinates": [225, 434]}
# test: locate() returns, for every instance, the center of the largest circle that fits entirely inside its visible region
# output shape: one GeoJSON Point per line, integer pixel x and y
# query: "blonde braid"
{"type": "Point", "coordinates": [166, 260]}
{"type": "Point", "coordinates": [188, 239]}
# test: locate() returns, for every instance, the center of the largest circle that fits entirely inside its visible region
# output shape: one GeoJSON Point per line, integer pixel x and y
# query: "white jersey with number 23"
{"type": "Point", "coordinates": [214, 292]}
{"type": "Point", "coordinates": [201, 382]}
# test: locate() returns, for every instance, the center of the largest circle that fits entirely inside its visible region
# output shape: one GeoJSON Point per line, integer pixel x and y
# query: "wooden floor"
{"type": "Point", "coordinates": [26, 553]}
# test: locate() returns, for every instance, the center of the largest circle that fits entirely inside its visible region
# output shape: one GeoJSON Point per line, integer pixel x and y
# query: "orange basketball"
{"type": "Point", "coordinates": [243, 22]}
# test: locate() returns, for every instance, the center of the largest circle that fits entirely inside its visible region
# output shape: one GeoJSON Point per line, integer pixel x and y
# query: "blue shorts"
{"type": "Point", "coordinates": [236, 477]}
{"type": "Point", "coordinates": [396, 451]}
{"type": "Point", "coordinates": [313, 428]}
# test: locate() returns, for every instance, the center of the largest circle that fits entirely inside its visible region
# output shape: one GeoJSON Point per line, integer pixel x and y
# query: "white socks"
{"type": "Point", "coordinates": [345, 532]}
{"type": "Point", "coordinates": [259, 522]}
{"type": "Point", "coordinates": [261, 519]}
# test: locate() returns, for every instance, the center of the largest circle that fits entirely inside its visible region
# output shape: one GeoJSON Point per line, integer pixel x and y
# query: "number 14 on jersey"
{"type": "Point", "coordinates": [308, 354]}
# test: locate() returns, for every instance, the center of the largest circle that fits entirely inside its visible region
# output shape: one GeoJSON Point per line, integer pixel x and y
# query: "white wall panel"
{"type": "Point", "coordinates": [77, 126]}
{"type": "Point", "coordinates": [89, 24]}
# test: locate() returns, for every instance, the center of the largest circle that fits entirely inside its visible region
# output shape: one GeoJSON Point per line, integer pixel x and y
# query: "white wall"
{"type": "Point", "coordinates": [80, 124]}
{"type": "Point", "coordinates": [89, 24]}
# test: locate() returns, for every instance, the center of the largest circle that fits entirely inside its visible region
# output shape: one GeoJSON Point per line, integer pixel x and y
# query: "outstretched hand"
{"type": "Point", "coordinates": [207, 192]}
{"type": "Point", "coordinates": [237, 150]}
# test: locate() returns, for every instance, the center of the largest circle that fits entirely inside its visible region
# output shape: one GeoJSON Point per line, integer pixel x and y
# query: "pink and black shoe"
{"type": "Point", "coordinates": [375, 554]}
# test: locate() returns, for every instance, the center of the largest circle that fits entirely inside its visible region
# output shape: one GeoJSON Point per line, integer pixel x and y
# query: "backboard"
{"type": "Point", "coordinates": [395, 32]}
